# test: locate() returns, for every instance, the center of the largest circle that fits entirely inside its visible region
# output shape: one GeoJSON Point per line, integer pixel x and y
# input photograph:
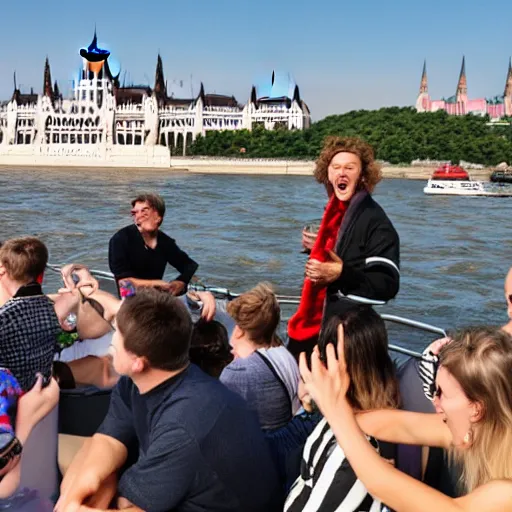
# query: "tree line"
{"type": "Point", "coordinates": [399, 135]}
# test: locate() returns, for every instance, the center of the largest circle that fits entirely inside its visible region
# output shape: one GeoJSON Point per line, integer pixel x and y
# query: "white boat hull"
{"type": "Point", "coordinates": [467, 188]}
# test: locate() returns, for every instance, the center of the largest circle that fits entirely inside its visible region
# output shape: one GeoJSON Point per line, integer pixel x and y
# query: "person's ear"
{"type": "Point", "coordinates": [477, 412]}
{"type": "Point", "coordinates": [139, 364]}
{"type": "Point", "coordinates": [238, 332]}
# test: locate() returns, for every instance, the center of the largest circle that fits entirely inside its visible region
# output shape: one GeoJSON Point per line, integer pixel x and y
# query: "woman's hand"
{"type": "Point", "coordinates": [209, 305]}
{"type": "Point", "coordinates": [324, 273]}
{"type": "Point", "coordinates": [435, 347]}
{"type": "Point", "coordinates": [327, 385]}
{"type": "Point", "coordinates": [85, 279]}
{"type": "Point", "coordinates": [176, 288]}
{"type": "Point", "coordinates": [34, 405]}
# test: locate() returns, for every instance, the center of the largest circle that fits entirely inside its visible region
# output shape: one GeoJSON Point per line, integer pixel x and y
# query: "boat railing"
{"type": "Point", "coordinates": [222, 292]}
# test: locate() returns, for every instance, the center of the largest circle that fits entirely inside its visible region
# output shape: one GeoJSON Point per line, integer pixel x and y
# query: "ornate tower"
{"type": "Point", "coordinates": [47, 86]}
{"type": "Point", "coordinates": [424, 81]}
{"type": "Point", "coordinates": [160, 89]}
{"type": "Point", "coordinates": [507, 95]}
{"type": "Point", "coordinates": [423, 100]}
{"type": "Point", "coordinates": [462, 87]}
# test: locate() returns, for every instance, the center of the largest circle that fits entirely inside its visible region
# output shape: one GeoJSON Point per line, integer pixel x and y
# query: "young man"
{"type": "Point", "coordinates": [28, 322]}
{"type": "Point", "coordinates": [199, 446]}
{"type": "Point", "coordinates": [140, 252]}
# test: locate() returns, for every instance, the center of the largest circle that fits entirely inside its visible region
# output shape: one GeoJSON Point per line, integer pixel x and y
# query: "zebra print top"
{"type": "Point", "coordinates": [327, 482]}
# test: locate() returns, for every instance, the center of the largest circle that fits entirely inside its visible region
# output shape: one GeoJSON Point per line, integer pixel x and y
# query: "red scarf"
{"type": "Point", "coordinates": [306, 322]}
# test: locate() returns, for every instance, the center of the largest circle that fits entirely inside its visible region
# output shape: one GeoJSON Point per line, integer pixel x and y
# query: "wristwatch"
{"type": "Point", "coordinates": [9, 451]}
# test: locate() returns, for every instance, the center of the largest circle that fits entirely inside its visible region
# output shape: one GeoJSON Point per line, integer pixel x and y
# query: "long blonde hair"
{"type": "Point", "coordinates": [480, 359]}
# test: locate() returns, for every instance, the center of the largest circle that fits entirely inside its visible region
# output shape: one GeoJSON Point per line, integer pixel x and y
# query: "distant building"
{"type": "Point", "coordinates": [459, 104]}
{"type": "Point", "coordinates": [106, 123]}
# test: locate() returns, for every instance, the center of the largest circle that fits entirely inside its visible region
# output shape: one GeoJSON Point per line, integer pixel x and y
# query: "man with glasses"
{"type": "Point", "coordinates": [140, 252]}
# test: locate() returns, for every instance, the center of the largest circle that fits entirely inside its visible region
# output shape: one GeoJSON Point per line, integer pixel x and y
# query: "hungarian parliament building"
{"type": "Point", "coordinates": [106, 123]}
{"type": "Point", "coordinates": [460, 104]}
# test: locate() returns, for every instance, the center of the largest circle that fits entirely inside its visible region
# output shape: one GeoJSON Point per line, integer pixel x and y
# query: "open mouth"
{"type": "Point", "coordinates": [342, 186]}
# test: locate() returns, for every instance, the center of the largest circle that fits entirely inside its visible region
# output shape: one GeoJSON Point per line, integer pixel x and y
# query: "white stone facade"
{"type": "Point", "coordinates": [104, 124]}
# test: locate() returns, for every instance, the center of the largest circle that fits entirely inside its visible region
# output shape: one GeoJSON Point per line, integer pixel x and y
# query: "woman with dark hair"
{"type": "Point", "coordinates": [209, 347]}
{"type": "Point", "coordinates": [473, 421]}
{"type": "Point", "coordinates": [327, 482]}
{"type": "Point", "coordinates": [356, 254]}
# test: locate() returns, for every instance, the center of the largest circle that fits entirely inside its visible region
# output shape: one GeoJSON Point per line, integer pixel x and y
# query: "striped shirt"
{"type": "Point", "coordinates": [327, 482]}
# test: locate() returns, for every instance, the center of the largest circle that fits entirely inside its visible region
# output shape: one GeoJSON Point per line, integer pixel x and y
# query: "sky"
{"type": "Point", "coordinates": [344, 55]}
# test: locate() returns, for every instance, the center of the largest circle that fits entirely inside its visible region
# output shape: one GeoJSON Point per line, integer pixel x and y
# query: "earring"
{"type": "Point", "coordinates": [468, 438]}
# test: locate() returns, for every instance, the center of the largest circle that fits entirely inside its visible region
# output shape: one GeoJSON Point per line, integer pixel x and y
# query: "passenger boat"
{"type": "Point", "coordinates": [454, 180]}
{"type": "Point", "coordinates": [82, 410]}
{"type": "Point", "coordinates": [501, 176]}
{"type": "Point", "coordinates": [450, 172]}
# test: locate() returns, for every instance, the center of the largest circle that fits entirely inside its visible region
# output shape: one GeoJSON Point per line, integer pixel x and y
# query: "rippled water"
{"type": "Point", "coordinates": [455, 251]}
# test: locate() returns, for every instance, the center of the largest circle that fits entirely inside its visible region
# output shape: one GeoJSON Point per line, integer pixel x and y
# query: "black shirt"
{"type": "Point", "coordinates": [200, 448]}
{"type": "Point", "coordinates": [129, 256]}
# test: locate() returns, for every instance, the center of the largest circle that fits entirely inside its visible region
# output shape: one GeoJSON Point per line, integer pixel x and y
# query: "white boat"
{"type": "Point", "coordinates": [467, 188]}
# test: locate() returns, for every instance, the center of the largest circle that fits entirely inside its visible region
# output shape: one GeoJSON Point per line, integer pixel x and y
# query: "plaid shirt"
{"type": "Point", "coordinates": [28, 335]}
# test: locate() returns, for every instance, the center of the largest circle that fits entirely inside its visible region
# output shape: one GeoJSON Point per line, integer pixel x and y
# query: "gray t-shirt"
{"type": "Point", "coordinates": [274, 399]}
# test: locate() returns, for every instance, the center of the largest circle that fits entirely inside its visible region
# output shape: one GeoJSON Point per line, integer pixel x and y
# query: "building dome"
{"type": "Point", "coordinates": [277, 85]}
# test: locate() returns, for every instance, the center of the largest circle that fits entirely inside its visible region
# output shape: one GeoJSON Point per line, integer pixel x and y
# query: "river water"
{"type": "Point", "coordinates": [455, 251]}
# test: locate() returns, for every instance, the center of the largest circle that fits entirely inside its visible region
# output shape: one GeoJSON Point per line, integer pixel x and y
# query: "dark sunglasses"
{"type": "Point", "coordinates": [13, 449]}
{"type": "Point", "coordinates": [510, 298]}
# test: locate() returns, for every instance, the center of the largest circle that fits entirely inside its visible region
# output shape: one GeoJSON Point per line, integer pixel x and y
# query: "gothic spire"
{"type": "Point", "coordinates": [296, 94]}
{"type": "Point", "coordinates": [462, 86]}
{"type": "Point", "coordinates": [201, 93]}
{"type": "Point", "coordinates": [424, 81]}
{"type": "Point", "coordinates": [56, 90]}
{"type": "Point", "coordinates": [254, 98]}
{"type": "Point", "coordinates": [508, 83]}
{"type": "Point", "coordinates": [160, 88]}
{"type": "Point", "coordinates": [47, 87]}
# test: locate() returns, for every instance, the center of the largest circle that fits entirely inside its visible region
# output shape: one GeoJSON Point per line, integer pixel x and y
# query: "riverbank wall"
{"type": "Point", "coordinates": [295, 167]}
{"type": "Point", "coordinates": [157, 160]}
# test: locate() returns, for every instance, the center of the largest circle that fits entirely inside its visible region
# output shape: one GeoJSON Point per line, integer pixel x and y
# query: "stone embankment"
{"type": "Point", "coordinates": [295, 167]}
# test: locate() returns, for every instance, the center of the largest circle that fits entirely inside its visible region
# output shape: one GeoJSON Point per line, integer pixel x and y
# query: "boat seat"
{"type": "Point", "coordinates": [82, 410]}
{"type": "Point", "coordinates": [68, 448]}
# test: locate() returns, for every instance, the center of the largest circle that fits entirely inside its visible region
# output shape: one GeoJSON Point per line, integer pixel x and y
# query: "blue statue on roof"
{"type": "Point", "coordinates": [92, 53]}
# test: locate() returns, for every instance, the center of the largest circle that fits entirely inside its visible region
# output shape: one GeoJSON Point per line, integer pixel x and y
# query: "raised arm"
{"type": "Point", "coordinates": [397, 490]}
{"type": "Point", "coordinates": [405, 427]}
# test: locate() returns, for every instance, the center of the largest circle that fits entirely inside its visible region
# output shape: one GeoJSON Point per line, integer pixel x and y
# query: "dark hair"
{"type": "Point", "coordinates": [209, 347]}
{"type": "Point", "coordinates": [24, 258]}
{"type": "Point", "coordinates": [154, 200]}
{"type": "Point", "coordinates": [373, 382]}
{"type": "Point", "coordinates": [157, 326]}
